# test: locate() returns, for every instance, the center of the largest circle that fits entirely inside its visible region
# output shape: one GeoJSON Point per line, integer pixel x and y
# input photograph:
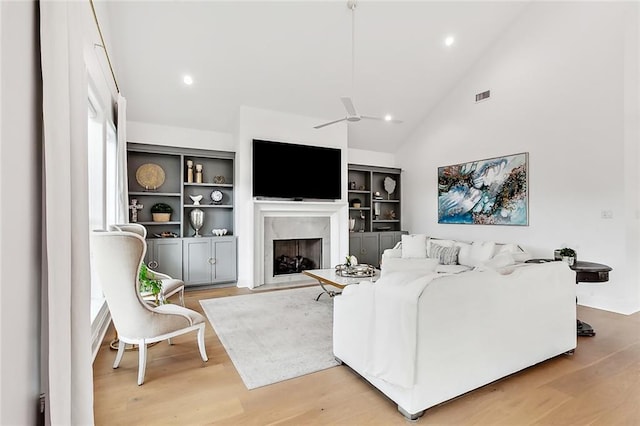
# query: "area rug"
{"type": "Point", "coordinates": [274, 336]}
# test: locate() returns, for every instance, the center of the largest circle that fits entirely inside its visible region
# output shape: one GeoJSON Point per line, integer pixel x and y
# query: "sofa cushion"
{"type": "Point", "coordinates": [396, 264]}
{"type": "Point", "coordinates": [476, 253]}
{"type": "Point", "coordinates": [445, 255]}
{"type": "Point", "coordinates": [414, 246]}
{"type": "Point", "coordinates": [517, 252]}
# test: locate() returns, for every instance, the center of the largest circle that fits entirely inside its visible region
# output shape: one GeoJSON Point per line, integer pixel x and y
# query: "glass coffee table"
{"type": "Point", "coordinates": [329, 277]}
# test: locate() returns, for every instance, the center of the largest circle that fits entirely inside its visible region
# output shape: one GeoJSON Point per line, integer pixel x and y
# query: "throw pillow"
{"type": "Point", "coordinates": [445, 255]}
{"type": "Point", "coordinates": [414, 246]}
{"type": "Point", "coordinates": [435, 242]}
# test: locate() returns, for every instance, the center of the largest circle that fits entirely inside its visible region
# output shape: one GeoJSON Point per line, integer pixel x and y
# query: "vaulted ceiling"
{"type": "Point", "coordinates": [296, 57]}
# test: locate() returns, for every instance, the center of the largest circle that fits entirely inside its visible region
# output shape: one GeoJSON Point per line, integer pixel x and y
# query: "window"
{"type": "Point", "coordinates": [101, 162]}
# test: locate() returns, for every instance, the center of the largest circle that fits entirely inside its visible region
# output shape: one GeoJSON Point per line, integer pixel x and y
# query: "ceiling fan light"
{"type": "Point", "coordinates": [188, 80]}
{"type": "Point", "coordinates": [388, 117]}
{"type": "Point", "coordinates": [449, 40]}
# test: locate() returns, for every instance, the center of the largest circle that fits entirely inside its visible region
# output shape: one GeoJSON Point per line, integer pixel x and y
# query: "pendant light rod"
{"type": "Point", "coordinates": [351, 4]}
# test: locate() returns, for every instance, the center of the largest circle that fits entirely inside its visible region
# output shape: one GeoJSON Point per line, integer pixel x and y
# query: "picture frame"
{"type": "Point", "coordinates": [492, 191]}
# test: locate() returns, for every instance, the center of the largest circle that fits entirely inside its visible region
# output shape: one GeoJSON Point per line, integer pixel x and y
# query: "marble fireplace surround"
{"type": "Point", "coordinates": [293, 220]}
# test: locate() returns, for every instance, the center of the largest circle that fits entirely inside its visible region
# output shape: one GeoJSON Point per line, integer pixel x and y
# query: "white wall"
{"type": "Point", "coordinates": [156, 134]}
{"type": "Point", "coordinates": [20, 189]}
{"type": "Point", "coordinates": [564, 88]}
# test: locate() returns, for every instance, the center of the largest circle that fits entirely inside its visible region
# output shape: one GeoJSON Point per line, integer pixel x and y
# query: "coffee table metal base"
{"type": "Point", "coordinates": [328, 277]}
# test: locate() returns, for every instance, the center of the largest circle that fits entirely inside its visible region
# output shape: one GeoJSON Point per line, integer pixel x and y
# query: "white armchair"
{"type": "Point", "coordinates": [170, 286]}
{"type": "Point", "coordinates": [116, 258]}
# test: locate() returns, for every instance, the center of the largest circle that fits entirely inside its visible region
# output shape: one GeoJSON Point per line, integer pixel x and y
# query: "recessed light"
{"type": "Point", "coordinates": [388, 117]}
{"type": "Point", "coordinates": [449, 40]}
{"type": "Point", "coordinates": [188, 80]}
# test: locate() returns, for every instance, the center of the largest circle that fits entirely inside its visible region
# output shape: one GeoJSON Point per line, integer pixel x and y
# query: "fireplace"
{"type": "Point", "coordinates": [290, 220]}
{"type": "Point", "coordinates": [292, 256]}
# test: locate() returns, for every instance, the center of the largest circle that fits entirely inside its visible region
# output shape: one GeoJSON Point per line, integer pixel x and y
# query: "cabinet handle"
{"type": "Point", "coordinates": [212, 261]}
{"type": "Point", "coordinates": [363, 251]}
{"type": "Point", "coordinates": [153, 264]}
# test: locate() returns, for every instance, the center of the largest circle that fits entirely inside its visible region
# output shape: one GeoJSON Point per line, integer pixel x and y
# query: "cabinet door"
{"type": "Point", "coordinates": [364, 246]}
{"type": "Point", "coordinates": [168, 255]}
{"type": "Point", "coordinates": [387, 240]}
{"type": "Point", "coordinates": [197, 260]}
{"type": "Point", "coordinates": [224, 254]}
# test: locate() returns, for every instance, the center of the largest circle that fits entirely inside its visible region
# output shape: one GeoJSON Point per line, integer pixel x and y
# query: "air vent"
{"type": "Point", "coordinates": [483, 96]}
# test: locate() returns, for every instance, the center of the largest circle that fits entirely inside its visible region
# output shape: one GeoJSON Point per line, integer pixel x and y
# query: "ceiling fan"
{"type": "Point", "coordinates": [352, 115]}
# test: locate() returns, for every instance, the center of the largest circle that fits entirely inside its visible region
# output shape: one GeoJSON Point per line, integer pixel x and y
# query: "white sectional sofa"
{"type": "Point", "coordinates": [423, 337]}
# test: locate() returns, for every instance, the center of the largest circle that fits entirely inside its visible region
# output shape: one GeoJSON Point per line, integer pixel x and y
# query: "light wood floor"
{"type": "Point", "coordinates": [598, 385]}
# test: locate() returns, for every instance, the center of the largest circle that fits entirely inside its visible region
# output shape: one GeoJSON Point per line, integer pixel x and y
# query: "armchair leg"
{"type": "Point", "coordinates": [203, 351]}
{"type": "Point", "coordinates": [142, 361]}
{"type": "Point", "coordinates": [182, 296]}
{"type": "Point", "coordinates": [121, 347]}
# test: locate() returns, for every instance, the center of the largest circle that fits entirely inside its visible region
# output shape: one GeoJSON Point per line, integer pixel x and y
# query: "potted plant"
{"type": "Point", "coordinates": [148, 283]}
{"type": "Point", "coordinates": [568, 255]}
{"type": "Point", "coordinates": [356, 202]}
{"type": "Point", "coordinates": [161, 212]}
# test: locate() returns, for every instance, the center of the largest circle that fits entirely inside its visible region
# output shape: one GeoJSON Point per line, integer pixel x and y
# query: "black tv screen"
{"type": "Point", "coordinates": [293, 171]}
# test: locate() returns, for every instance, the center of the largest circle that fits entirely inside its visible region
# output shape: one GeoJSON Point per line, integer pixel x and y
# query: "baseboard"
{"type": "Point", "coordinates": [99, 328]}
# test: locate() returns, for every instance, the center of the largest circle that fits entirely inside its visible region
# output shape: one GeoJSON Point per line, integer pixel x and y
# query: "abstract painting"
{"type": "Point", "coordinates": [485, 192]}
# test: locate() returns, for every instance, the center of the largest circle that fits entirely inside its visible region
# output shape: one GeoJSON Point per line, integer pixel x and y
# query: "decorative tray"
{"type": "Point", "coordinates": [362, 270]}
{"type": "Point", "coordinates": [150, 176]}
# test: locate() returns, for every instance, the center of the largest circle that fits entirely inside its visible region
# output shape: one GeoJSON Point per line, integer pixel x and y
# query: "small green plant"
{"type": "Point", "coordinates": [148, 283]}
{"type": "Point", "coordinates": [161, 208]}
{"type": "Point", "coordinates": [351, 260]}
{"type": "Point", "coordinates": [567, 252]}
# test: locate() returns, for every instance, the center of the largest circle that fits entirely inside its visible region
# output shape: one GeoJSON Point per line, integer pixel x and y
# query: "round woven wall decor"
{"type": "Point", "coordinates": [150, 176]}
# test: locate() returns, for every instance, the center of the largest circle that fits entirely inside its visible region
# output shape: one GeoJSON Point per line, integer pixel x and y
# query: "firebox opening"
{"type": "Point", "coordinates": [296, 255]}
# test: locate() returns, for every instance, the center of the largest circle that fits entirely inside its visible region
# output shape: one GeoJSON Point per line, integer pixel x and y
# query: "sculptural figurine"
{"type": "Point", "coordinates": [134, 207]}
{"type": "Point", "coordinates": [198, 173]}
{"type": "Point", "coordinates": [189, 171]}
{"type": "Point", "coordinates": [196, 199]}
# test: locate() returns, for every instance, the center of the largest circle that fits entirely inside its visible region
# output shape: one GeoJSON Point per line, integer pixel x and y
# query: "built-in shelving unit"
{"type": "Point", "coordinates": [213, 258]}
{"type": "Point", "coordinates": [376, 218]}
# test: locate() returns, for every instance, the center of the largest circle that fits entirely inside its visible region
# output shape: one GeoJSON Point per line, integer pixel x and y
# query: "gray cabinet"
{"type": "Point", "coordinates": [388, 240]}
{"type": "Point", "coordinates": [364, 246]}
{"type": "Point", "coordinates": [186, 179]}
{"type": "Point", "coordinates": [374, 213]}
{"type": "Point", "coordinates": [371, 207]}
{"type": "Point", "coordinates": [369, 246]}
{"type": "Point", "coordinates": [165, 255]}
{"type": "Point", "coordinates": [209, 260]}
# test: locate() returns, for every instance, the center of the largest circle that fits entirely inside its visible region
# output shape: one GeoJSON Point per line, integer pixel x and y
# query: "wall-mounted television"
{"type": "Point", "coordinates": [294, 171]}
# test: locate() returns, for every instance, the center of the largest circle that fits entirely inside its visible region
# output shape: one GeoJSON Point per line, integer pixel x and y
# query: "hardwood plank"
{"type": "Point", "coordinates": [598, 385]}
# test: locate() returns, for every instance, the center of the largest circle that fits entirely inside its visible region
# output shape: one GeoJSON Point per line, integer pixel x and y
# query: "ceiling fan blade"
{"type": "Point", "coordinates": [319, 126]}
{"type": "Point", "coordinates": [348, 104]}
{"type": "Point", "coordinates": [368, 117]}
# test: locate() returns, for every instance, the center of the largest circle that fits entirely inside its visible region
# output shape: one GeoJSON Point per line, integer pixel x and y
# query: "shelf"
{"type": "Point", "coordinates": [359, 191]}
{"type": "Point", "coordinates": [209, 185]}
{"type": "Point", "coordinates": [160, 223]}
{"type": "Point", "coordinates": [208, 206]}
{"type": "Point", "coordinates": [385, 220]}
{"type": "Point", "coordinates": [359, 208]}
{"type": "Point", "coordinates": [385, 201]}
{"type": "Point", "coordinates": [157, 194]}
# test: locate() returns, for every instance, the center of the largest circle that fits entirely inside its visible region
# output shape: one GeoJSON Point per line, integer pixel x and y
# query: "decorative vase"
{"type": "Point", "coordinates": [352, 224]}
{"type": "Point", "coordinates": [196, 199]}
{"type": "Point", "coordinates": [196, 217]}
